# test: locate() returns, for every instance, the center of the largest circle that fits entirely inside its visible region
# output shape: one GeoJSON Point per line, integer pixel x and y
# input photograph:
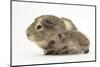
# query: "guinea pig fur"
{"type": "Point", "coordinates": [45, 26]}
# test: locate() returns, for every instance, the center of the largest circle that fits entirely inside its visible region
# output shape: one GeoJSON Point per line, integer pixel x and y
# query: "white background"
{"type": "Point", "coordinates": [23, 14]}
{"type": "Point", "coordinates": [5, 27]}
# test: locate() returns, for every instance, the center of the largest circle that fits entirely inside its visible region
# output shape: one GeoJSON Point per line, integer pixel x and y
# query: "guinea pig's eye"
{"type": "Point", "coordinates": [39, 26]}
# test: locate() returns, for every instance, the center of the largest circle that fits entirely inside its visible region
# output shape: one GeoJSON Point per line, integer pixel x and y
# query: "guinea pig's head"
{"type": "Point", "coordinates": [43, 26]}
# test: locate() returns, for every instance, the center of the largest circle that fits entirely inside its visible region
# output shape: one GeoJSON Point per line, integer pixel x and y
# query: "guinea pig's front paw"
{"type": "Point", "coordinates": [49, 52]}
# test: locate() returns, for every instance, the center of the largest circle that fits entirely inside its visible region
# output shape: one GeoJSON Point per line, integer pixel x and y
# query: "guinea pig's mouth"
{"type": "Point", "coordinates": [31, 38]}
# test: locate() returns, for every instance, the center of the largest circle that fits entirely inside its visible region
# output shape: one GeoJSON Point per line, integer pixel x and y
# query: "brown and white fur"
{"type": "Point", "coordinates": [47, 27]}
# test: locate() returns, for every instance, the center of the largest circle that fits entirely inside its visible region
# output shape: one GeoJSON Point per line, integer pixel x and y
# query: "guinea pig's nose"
{"type": "Point", "coordinates": [27, 34]}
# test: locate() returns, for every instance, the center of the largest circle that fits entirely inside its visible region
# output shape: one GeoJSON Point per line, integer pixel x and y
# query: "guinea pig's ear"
{"type": "Point", "coordinates": [50, 22]}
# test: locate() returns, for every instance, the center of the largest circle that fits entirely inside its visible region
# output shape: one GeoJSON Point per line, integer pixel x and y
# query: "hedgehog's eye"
{"type": "Point", "coordinates": [39, 27]}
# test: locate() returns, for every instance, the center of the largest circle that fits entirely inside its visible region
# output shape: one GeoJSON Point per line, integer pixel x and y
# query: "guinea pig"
{"type": "Point", "coordinates": [67, 42]}
{"type": "Point", "coordinates": [45, 26]}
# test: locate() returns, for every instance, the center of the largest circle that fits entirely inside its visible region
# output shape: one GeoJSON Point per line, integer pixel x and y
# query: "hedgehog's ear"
{"type": "Point", "coordinates": [61, 35]}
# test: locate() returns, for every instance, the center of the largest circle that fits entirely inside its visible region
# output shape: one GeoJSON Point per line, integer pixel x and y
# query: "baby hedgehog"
{"type": "Point", "coordinates": [67, 42]}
